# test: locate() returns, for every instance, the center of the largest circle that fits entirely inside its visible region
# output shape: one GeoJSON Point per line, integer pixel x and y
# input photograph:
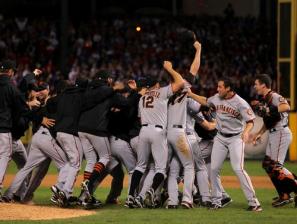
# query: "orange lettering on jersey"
{"type": "Point", "coordinates": [229, 110]}
{"type": "Point", "coordinates": [153, 93]}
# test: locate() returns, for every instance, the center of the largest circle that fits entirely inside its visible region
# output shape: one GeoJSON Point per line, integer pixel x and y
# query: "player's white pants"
{"type": "Point", "coordinates": [235, 146]}
{"type": "Point", "coordinates": [5, 154]}
{"type": "Point", "coordinates": [177, 140]}
{"type": "Point", "coordinates": [71, 145]}
{"type": "Point", "coordinates": [99, 144]}
{"type": "Point", "coordinates": [278, 144]}
{"type": "Point", "coordinates": [200, 167]}
{"type": "Point", "coordinates": [152, 140]}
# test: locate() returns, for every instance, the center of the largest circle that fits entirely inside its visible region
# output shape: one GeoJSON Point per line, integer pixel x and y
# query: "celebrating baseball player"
{"type": "Point", "coordinates": [232, 111]}
{"type": "Point", "coordinates": [273, 108]}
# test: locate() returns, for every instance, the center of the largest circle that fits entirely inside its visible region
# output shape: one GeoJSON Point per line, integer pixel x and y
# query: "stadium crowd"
{"type": "Point", "coordinates": [239, 48]}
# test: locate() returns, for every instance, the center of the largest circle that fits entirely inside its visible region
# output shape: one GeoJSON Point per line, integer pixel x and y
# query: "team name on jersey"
{"type": "Point", "coordinates": [153, 94]}
{"type": "Point", "coordinates": [229, 110]}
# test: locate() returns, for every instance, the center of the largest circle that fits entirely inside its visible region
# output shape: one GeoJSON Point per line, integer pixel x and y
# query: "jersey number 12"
{"type": "Point", "coordinates": [147, 102]}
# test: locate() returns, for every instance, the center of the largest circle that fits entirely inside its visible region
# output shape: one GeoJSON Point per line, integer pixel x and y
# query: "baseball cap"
{"type": "Point", "coordinates": [151, 81]}
{"type": "Point", "coordinates": [43, 86]}
{"type": "Point", "coordinates": [7, 64]}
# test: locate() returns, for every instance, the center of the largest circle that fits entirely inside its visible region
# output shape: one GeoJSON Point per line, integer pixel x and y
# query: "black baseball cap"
{"type": "Point", "coordinates": [43, 86]}
{"type": "Point", "coordinates": [7, 64]}
{"type": "Point", "coordinates": [151, 81]}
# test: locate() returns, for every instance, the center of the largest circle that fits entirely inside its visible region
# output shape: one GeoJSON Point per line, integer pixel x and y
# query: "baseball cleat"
{"type": "Point", "coordinates": [54, 199]}
{"type": "Point", "coordinates": [226, 201]}
{"type": "Point", "coordinates": [206, 204]}
{"type": "Point", "coordinates": [85, 189]}
{"type": "Point", "coordinates": [186, 205]}
{"type": "Point", "coordinates": [214, 207]}
{"type": "Point", "coordinates": [62, 200]}
{"type": "Point", "coordinates": [6, 199]}
{"type": "Point", "coordinates": [138, 202]}
{"type": "Point", "coordinates": [281, 202]}
{"type": "Point", "coordinates": [130, 203]}
{"type": "Point", "coordinates": [149, 198]}
{"type": "Point", "coordinates": [256, 208]}
{"type": "Point", "coordinates": [172, 207]}
{"type": "Point", "coordinates": [92, 204]}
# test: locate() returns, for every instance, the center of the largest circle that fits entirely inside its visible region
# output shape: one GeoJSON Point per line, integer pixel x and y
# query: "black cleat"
{"type": "Point", "coordinates": [214, 207]}
{"type": "Point", "coordinates": [255, 208]}
{"type": "Point", "coordinates": [172, 207]}
{"type": "Point", "coordinates": [226, 201]}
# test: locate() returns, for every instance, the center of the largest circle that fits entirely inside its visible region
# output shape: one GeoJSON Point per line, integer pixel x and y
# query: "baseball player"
{"type": "Point", "coordinates": [274, 110]}
{"type": "Point", "coordinates": [232, 111]}
{"type": "Point", "coordinates": [152, 137]}
{"type": "Point", "coordinates": [93, 126]}
{"type": "Point", "coordinates": [205, 127]}
{"type": "Point", "coordinates": [12, 106]}
{"type": "Point", "coordinates": [178, 140]}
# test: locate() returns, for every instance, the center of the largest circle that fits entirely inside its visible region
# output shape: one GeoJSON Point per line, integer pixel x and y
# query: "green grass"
{"type": "Point", "coordinates": [235, 213]}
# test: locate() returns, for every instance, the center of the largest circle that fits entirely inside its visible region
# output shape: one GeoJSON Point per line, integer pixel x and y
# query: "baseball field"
{"type": "Point", "coordinates": [234, 213]}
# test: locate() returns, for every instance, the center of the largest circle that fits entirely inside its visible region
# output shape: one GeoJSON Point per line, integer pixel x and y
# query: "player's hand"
{"type": "Point", "coordinates": [132, 84]}
{"type": "Point", "coordinates": [257, 139]}
{"type": "Point", "coordinates": [37, 72]}
{"type": "Point", "coordinates": [47, 122]}
{"type": "Point", "coordinates": [142, 91]}
{"type": "Point", "coordinates": [118, 86]}
{"type": "Point", "coordinates": [245, 136]}
{"type": "Point", "coordinates": [167, 65]}
{"type": "Point", "coordinates": [34, 103]}
{"type": "Point", "coordinates": [190, 92]}
{"type": "Point", "coordinates": [197, 45]}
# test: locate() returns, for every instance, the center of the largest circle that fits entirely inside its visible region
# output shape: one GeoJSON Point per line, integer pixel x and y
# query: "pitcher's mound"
{"type": "Point", "coordinates": [10, 211]}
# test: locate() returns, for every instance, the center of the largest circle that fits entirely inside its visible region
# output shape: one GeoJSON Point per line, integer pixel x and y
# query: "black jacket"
{"type": "Point", "coordinates": [125, 124]}
{"type": "Point", "coordinates": [95, 121]}
{"type": "Point", "coordinates": [72, 102]}
{"type": "Point", "coordinates": [12, 105]}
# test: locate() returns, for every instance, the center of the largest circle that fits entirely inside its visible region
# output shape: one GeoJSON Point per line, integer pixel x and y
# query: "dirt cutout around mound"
{"type": "Point", "coordinates": [33, 212]}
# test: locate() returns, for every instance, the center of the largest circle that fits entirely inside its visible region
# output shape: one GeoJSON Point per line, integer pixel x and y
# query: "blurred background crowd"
{"type": "Point", "coordinates": [235, 46]}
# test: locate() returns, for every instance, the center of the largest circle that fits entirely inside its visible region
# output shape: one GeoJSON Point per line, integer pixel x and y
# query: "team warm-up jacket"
{"type": "Point", "coordinates": [12, 105]}
{"type": "Point", "coordinates": [125, 124]}
{"type": "Point", "coordinates": [95, 121]}
{"type": "Point", "coordinates": [72, 102]}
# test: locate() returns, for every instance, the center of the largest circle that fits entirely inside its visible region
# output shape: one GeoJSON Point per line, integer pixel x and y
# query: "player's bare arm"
{"type": "Point", "coordinates": [259, 134]}
{"type": "Point", "coordinates": [207, 125]}
{"type": "Point", "coordinates": [200, 99]}
{"type": "Point", "coordinates": [196, 62]}
{"type": "Point", "coordinates": [178, 81]}
{"type": "Point", "coordinates": [246, 131]}
{"type": "Point", "coordinates": [283, 107]}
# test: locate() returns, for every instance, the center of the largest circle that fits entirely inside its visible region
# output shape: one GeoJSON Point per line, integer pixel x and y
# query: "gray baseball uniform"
{"type": "Point", "coordinates": [152, 137]}
{"type": "Point", "coordinates": [193, 107]}
{"type": "Point", "coordinates": [280, 136]}
{"type": "Point", "coordinates": [71, 144]}
{"type": "Point", "coordinates": [5, 154]}
{"type": "Point", "coordinates": [178, 141]}
{"type": "Point", "coordinates": [42, 146]}
{"type": "Point", "coordinates": [231, 115]}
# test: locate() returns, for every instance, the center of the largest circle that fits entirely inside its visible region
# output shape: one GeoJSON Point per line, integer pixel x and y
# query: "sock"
{"type": "Point", "coordinates": [87, 175]}
{"type": "Point", "coordinates": [98, 171]}
{"type": "Point", "coordinates": [117, 182]}
{"type": "Point", "coordinates": [158, 178]}
{"type": "Point", "coordinates": [135, 180]}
